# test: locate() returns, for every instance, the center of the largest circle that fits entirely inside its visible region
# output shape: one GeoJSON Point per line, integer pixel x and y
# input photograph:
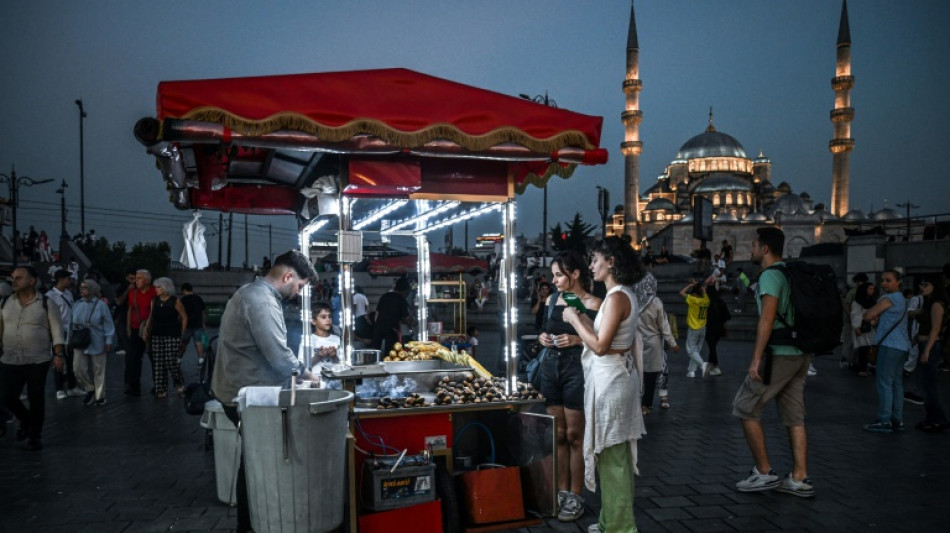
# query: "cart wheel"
{"type": "Point", "coordinates": [445, 488]}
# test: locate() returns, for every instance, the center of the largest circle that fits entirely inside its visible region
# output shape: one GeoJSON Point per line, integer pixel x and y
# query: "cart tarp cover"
{"type": "Point", "coordinates": [267, 130]}
{"type": "Point", "coordinates": [440, 263]}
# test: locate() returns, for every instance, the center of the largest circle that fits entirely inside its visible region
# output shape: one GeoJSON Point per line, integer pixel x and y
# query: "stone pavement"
{"type": "Point", "coordinates": [140, 465]}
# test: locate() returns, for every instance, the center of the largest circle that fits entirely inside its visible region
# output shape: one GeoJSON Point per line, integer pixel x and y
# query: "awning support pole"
{"type": "Point", "coordinates": [508, 288]}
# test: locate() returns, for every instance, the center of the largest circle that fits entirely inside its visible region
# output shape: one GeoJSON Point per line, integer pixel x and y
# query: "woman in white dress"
{"type": "Point", "coordinates": [613, 381]}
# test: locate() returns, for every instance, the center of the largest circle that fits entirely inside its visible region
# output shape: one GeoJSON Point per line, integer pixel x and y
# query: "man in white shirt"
{"type": "Point", "coordinates": [360, 302]}
{"type": "Point", "coordinates": [62, 295]}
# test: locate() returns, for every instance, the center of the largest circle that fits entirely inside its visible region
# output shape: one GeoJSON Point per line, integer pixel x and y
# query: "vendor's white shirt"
{"type": "Point", "coordinates": [360, 304]}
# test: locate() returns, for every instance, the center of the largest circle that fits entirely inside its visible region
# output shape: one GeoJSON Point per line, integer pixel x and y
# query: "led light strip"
{"type": "Point", "coordinates": [380, 213]}
{"type": "Point", "coordinates": [420, 218]}
{"type": "Point", "coordinates": [485, 208]}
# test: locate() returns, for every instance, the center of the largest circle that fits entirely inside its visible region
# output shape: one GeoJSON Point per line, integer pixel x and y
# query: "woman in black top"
{"type": "Point", "coordinates": [932, 318]}
{"type": "Point", "coordinates": [716, 327]}
{"type": "Point", "coordinates": [166, 327]}
{"type": "Point", "coordinates": [562, 378]}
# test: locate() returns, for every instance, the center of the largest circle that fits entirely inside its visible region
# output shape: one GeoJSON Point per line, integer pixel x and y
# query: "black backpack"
{"type": "Point", "coordinates": [817, 304]}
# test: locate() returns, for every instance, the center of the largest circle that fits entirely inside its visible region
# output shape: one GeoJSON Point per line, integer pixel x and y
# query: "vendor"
{"type": "Point", "coordinates": [324, 343]}
{"type": "Point", "coordinates": [392, 312]}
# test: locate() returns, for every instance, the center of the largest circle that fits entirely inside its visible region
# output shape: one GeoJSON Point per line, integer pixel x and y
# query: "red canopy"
{"type": "Point", "coordinates": [417, 135]}
{"type": "Point", "coordinates": [438, 263]}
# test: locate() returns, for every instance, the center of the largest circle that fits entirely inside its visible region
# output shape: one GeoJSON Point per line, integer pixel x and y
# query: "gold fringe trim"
{"type": "Point", "coordinates": [554, 169]}
{"type": "Point", "coordinates": [298, 122]}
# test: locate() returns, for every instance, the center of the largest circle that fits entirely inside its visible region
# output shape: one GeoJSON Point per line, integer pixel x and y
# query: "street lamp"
{"type": "Point", "coordinates": [15, 184]}
{"type": "Point", "coordinates": [544, 214]}
{"type": "Point", "coordinates": [82, 176]}
{"type": "Point", "coordinates": [908, 206]}
{"type": "Point", "coordinates": [61, 191]}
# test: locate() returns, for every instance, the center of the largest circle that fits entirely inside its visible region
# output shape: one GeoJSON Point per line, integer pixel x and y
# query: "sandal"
{"type": "Point", "coordinates": [664, 403]}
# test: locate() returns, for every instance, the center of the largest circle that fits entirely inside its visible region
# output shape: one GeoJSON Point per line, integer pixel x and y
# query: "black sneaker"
{"type": "Point", "coordinates": [22, 433]}
{"type": "Point", "coordinates": [34, 445]}
{"type": "Point", "coordinates": [913, 398]}
{"type": "Point", "coordinates": [89, 399]}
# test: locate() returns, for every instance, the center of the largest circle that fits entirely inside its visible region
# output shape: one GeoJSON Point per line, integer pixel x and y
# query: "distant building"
{"type": "Point", "coordinates": [715, 165]}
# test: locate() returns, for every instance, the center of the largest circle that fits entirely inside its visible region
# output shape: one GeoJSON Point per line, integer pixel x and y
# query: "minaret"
{"type": "Point", "coordinates": [631, 146]}
{"type": "Point", "coordinates": [841, 117]}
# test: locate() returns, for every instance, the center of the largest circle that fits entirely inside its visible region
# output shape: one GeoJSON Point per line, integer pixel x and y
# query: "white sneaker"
{"type": "Point", "coordinates": [593, 528]}
{"type": "Point", "coordinates": [812, 371]}
{"type": "Point", "coordinates": [691, 374]}
{"type": "Point", "coordinates": [120, 352]}
{"type": "Point", "coordinates": [75, 391]}
{"type": "Point", "coordinates": [60, 395]}
{"type": "Point", "coordinates": [24, 397]}
{"type": "Point", "coordinates": [705, 368]}
{"type": "Point", "coordinates": [715, 371]}
{"type": "Point", "coordinates": [757, 482]}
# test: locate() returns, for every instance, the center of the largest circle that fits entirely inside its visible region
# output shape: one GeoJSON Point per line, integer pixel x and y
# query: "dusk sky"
{"type": "Point", "coordinates": [764, 66]}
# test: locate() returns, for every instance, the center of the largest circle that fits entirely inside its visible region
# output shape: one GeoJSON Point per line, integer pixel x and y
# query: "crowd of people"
{"type": "Point", "coordinates": [73, 327]}
{"type": "Point", "coordinates": [605, 358]}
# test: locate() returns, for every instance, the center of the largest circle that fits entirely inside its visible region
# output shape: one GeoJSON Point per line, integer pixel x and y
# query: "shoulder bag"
{"type": "Point", "coordinates": [534, 365]}
{"type": "Point", "coordinates": [873, 349]}
{"type": "Point", "coordinates": [80, 336]}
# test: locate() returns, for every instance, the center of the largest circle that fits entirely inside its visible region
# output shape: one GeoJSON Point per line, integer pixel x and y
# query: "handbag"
{"type": "Point", "coordinates": [534, 365]}
{"type": "Point", "coordinates": [80, 336]}
{"type": "Point", "coordinates": [198, 394]}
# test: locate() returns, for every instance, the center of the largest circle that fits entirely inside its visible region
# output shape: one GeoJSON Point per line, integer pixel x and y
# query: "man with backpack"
{"type": "Point", "coordinates": [28, 327]}
{"type": "Point", "coordinates": [778, 370]}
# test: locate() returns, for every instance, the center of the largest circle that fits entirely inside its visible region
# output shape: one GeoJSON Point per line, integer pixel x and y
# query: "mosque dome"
{"type": "Point", "coordinates": [756, 217]}
{"type": "Point", "coordinates": [885, 214]}
{"type": "Point", "coordinates": [854, 215]}
{"type": "Point", "coordinates": [660, 204]}
{"type": "Point", "coordinates": [789, 204]}
{"type": "Point", "coordinates": [720, 181]}
{"type": "Point", "coordinates": [725, 216]}
{"type": "Point", "coordinates": [711, 143]}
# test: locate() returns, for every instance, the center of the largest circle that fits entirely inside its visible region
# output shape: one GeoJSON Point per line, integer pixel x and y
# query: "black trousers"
{"type": "Point", "coordinates": [712, 339]}
{"type": "Point", "coordinates": [12, 379]}
{"type": "Point", "coordinates": [243, 507]}
{"type": "Point", "coordinates": [133, 362]}
{"type": "Point", "coordinates": [649, 388]}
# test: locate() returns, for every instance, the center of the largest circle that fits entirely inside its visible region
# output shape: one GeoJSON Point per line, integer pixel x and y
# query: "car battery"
{"type": "Point", "coordinates": [412, 482]}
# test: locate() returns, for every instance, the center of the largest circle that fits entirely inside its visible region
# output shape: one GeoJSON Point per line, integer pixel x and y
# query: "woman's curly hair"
{"type": "Point", "coordinates": [627, 268]}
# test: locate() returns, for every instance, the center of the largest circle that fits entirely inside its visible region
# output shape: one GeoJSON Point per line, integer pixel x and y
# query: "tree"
{"type": "Point", "coordinates": [572, 237]}
{"type": "Point", "coordinates": [113, 261]}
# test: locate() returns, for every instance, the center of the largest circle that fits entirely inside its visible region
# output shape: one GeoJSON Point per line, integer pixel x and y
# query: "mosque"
{"type": "Point", "coordinates": [714, 165]}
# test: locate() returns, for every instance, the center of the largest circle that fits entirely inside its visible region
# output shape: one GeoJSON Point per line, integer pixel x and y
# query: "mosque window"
{"type": "Point", "coordinates": [740, 199]}
{"type": "Point", "coordinates": [715, 165]}
{"type": "Point", "coordinates": [659, 216]}
{"type": "Point", "coordinates": [716, 199]}
{"type": "Point", "coordinates": [702, 165]}
{"type": "Point", "coordinates": [728, 198]}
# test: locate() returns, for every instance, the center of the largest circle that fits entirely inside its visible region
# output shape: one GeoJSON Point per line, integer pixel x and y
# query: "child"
{"type": "Point", "coordinates": [324, 343]}
{"type": "Point", "coordinates": [473, 338]}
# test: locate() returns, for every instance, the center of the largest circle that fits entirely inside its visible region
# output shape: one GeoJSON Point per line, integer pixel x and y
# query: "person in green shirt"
{"type": "Point", "coordinates": [697, 308]}
{"type": "Point", "coordinates": [784, 378]}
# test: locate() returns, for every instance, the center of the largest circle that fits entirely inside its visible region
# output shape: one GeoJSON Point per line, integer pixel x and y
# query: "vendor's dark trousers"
{"type": "Point", "coordinates": [67, 379]}
{"type": "Point", "coordinates": [712, 340]}
{"type": "Point", "coordinates": [133, 363]}
{"type": "Point", "coordinates": [12, 379]}
{"type": "Point", "coordinates": [649, 388]}
{"type": "Point", "coordinates": [243, 507]}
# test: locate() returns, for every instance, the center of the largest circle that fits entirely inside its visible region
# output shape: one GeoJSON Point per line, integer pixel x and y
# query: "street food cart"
{"type": "Point", "coordinates": [396, 152]}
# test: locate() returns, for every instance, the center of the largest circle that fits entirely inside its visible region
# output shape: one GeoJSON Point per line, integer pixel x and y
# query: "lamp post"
{"type": "Point", "coordinates": [908, 206]}
{"type": "Point", "coordinates": [82, 176]}
{"type": "Point", "coordinates": [61, 191]}
{"type": "Point", "coordinates": [15, 184]}
{"type": "Point", "coordinates": [544, 213]}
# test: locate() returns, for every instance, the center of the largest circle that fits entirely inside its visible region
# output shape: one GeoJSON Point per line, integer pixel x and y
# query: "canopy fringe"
{"type": "Point", "coordinates": [554, 169]}
{"type": "Point", "coordinates": [442, 131]}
